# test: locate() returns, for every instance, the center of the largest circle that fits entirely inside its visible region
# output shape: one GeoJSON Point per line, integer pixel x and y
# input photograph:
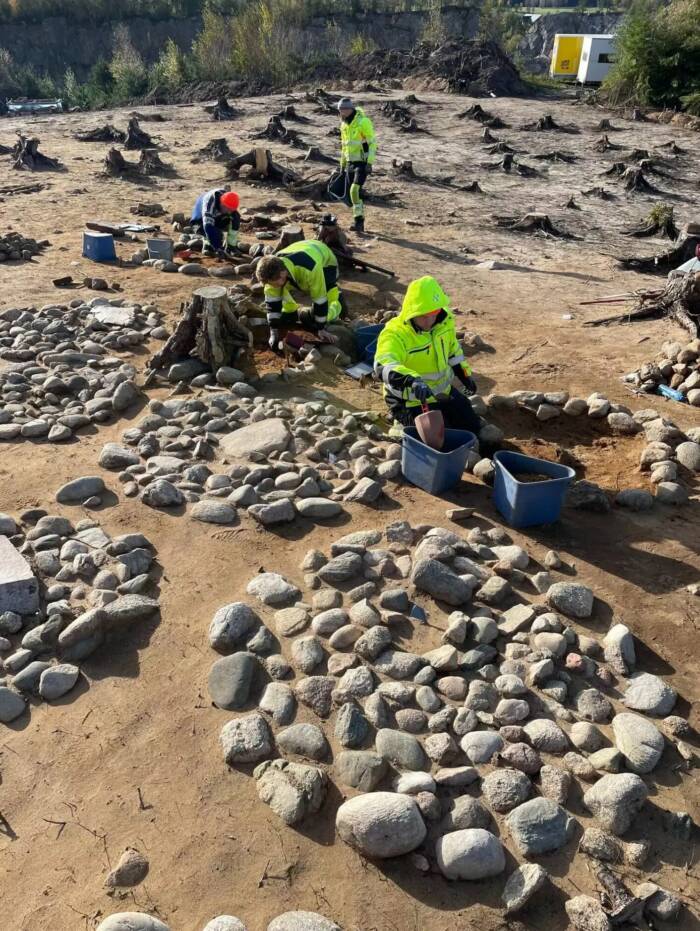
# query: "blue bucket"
{"type": "Point", "coordinates": [435, 470]}
{"type": "Point", "coordinates": [99, 247]}
{"type": "Point", "coordinates": [366, 341]}
{"type": "Point", "coordinates": [525, 504]}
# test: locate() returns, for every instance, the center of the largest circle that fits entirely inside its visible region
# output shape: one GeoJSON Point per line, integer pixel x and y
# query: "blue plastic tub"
{"type": "Point", "coordinates": [525, 504]}
{"type": "Point", "coordinates": [432, 470]}
{"type": "Point", "coordinates": [366, 340]}
{"type": "Point", "coordinates": [99, 247]}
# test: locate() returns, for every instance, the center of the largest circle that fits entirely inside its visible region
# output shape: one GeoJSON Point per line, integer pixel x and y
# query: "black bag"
{"type": "Point", "coordinates": [338, 188]}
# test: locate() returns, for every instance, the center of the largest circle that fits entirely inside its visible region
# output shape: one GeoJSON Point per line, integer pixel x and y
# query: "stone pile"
{"type": "Point", "coordinates": [236, 450]}
{"type": "Point", "coordinates": [59, 368]}
{"type": "Point", "coordinates": [64, 589]}
{"type": "Point", "coordinates": [17, 248]}
{"type": "Point", "coordinates": [490, 737]}
{"type": "Point", "coordinates": [289, 921]}
{"type": "Point", "coordinates": [677, 366]}
{"type": "Point", "coordinates": [669, 455]}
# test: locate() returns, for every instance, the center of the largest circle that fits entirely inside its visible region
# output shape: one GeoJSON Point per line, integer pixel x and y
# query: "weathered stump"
{"type": "Point", "coordinates": [27, 156]}
{"type": "Point", "coordinates": [136, 138]}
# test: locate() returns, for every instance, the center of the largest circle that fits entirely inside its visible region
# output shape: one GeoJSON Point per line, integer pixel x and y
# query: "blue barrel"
{"type": "Point", "coordinates": [526, 504]}
{"type": "Point", "coordinates": [366, 341]}
{"type": "Point", "coordinates": [99, 247]}
{"type": "Point", "coordinates": [431, 469]}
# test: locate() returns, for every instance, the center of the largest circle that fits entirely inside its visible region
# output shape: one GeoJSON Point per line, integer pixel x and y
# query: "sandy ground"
{"type": "Point", "coordinates": [133, 758]}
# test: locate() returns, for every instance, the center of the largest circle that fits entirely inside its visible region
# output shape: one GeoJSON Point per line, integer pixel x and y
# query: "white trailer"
{"type": "Point", "coordinates": [597, 58]}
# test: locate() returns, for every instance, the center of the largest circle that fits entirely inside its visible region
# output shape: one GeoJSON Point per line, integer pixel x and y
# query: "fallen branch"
{"type": "Point", "coordinates": [679, 300]}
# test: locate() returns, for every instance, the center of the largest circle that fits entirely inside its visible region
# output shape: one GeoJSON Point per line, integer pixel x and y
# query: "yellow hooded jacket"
{"type": "Point", "coordinates": [405, 353]}
{"type": "Point", "coordinates": [357, 142]}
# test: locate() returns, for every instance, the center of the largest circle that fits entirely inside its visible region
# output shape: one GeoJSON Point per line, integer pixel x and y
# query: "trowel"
{"type": "Point", "coordinates": [431, 428]}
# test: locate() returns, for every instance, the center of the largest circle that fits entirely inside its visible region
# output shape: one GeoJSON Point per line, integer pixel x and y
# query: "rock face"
{"type": "Point", "coordinates": [381, 824]}
{"type": "Point", "coordinates": [639, 741]}
{"type": "Point", "coordinates": [260, 438]}
{"type": "Point", "coordinates": [470, 854]}
{"type": "Point", "coordinates": [615, 800]}
{"type": "Point", "coordinates": [539, 826]}
{"type": "Point", "coordinates": [292, 790]}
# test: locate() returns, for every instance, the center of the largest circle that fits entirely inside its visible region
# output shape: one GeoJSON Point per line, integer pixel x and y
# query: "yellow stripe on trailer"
{"type": "Point", "coordinates": [566, 55]}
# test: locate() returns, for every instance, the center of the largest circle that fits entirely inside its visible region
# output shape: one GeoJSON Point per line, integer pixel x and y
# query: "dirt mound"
{"type": "Point", "coordinates": [475, 68]}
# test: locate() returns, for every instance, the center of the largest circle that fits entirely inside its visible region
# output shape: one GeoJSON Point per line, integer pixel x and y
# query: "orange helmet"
{"type": "Point", "coordinates": [230, 200]}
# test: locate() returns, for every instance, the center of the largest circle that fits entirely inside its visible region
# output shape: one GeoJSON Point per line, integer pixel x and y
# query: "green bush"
{"type": "Point", "coordinates": [500, 24]}
{"type": "Point", "coordinates": [658, 55]}
{"type": "Point", "coordinates": [128, 71]}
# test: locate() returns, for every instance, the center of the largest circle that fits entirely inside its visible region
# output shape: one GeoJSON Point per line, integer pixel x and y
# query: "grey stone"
{"type": "Point", "coordinates": [246, 739]}
{"type": "Point", "coordinates": [57, 680]}
{"type": "Point", "coordinates": [276, 512]}
{"type": "Point", "coordinates": [328, 622]}
{"type": "Point", "coordinates": [688, 454]}
{"type": "Point", "coordinates": [302, 921]}
{"type": "Point", "coordinates": [366, 491]}
{"type": "Point", "coordinates": [257, 439]}
{"type": "Point", "coordinates": [435, 578]}
{"type": "Point", "coordinates": [351, 727]}
{"type": "Point", "coordinates": [539, 826]}
{"type": "Point", "coordinates": [381, 824]}
{"type": "Point", "coordinates": [671, 493]}
{"type": "Point", "coordinates": [618, 649]}
{"type": "Point", "coordinates": [318, 508]}
{"type": "Point", "coordinates": [341, 568]}
{"type": "Point", "coordinates": [272, 588]}
{"type": "Point", "coordinates": [224, 923]}
{"type": "Point", "coordinates": [593, 706]}
{"type": "Point", "coordinates": [397, 664]}
{"type": "Point", "coordinates": [470, 854]}
{"type": "Point", "coordinates": [230, 625]}
{"type": "Point", "coordinates": [640, 742]}
{"type": "Point", "coordinates": [635, 499]}
{"type": "Point", "coordinates": [521, 756]}
{"type": "Point", "coordinates": [27, 679]}
{"type": "Point", "coordinates": [132, 921]}
{"type": "Point", "coordinates": [279, 702]}
{"type": "Point", "coordinates": [545, 735]}
{"type": "Point", "coordinates": [650, 694]}
{"type": "Point", "coordinates": [292, 790]}
{"type": "Point", "coordinates": [114, 456]}
{"type": "Point", "coordinates": [162, 494]}
{"type": "Point", "coordinates": [76, 491]}
{"type": "Point", "coordinates": [231, 679]}
{"type": "Point", "coordinates": [586, 737]}
{"type": "Point", "coordinates": [555, 784]}
{"type": "Point", "coordinates": [505, 789]}
{"type": "Point", "coordinates": [131, 869]}
{"type": "Point", "coordinates": [522, 884]}
{"type": "Point", "coordinates": [571, 599]}
{"type": "Point", "coordinates": [401, 750]}
{"type": "Point", "coordinates": [307, 653]}
{"type": "Point", "coordinates": [373, 643]}
{"type": "Point", "coordinates": [316, 693]}
{"type": "Point", "coordinates": [19, 589]}
{"type": "Point", "coordinates": [586, 914]}
{"type": "Point", "coordinates": [214, 512]}
{"type": "Point", "coordinates": [12, 705]}
{"type": "Point", "coordinates": [360, 769]}
{"type": "Point", "coordinates": [307, 740]}
{"type": "Point", "coordinates": [615, 800]}
{"type": "Point", "coordinates": [480, 746]}
{"type": "Point", "coordinates": [465, 812]}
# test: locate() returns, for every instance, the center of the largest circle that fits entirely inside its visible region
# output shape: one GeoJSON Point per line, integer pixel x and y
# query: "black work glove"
{"type": "Point", "coordinates": [421, 391]}
{"type": "Point", "coordinates": [368, 168]}
{"type": "Point", "coordinates": [469, 385]}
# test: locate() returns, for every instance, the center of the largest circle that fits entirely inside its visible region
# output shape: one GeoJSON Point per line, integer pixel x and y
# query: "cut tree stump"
{"type": "Point", "coordinates": [476, 112]}
{"type": "Point", "coordinates": [679, 300]}
{"type": "Point", "coordinates": [659, 222]}
{"type": "Point", "coordinates": [216, 150]}
{"type": "Point", "coordinates": [538, 223]}
{"type": "Point", "coordinates": [598, 192]}
{"type": "Point", "coordinates": [150, 163]}
{"type": "Point", "coordinates": [289, 113]}
{"type": "Point", "coordinates": [617, 168]}
{"type": "Point", "coordinates": [634, 180]}
{"type": "Point", "coordinates": [500, 147]}
{"type": "Point", "coordinates": [556, 156]}
{"type": "Point", "coordinates": [488, 137]}
{"type": "Point", "coordinates": [604, 144]}
{"type": "Point", "coordinates": [618, 902]}
{"type": "Point", "coordinates": [325, 102]}
{"type": "Point", "coordinates": [508, 164]}
{"type": "Point", "coordinates": [278, 132]}
{"type": "Point", "coordinates": [106, 133]}
{"type": "Point", "coordinates": [606, 126]}
{"type": "Point", "coordinates": [27, 156]}
{"type": "Point", "coordinates": [289, 234]}
{"type": "Point", "coordinates": [571, 204]}
{"type": "Point", "coordinates": [546, 124]}
{"type": "Point", "coordinates": [208, 329]}
{"type": "Point", "coordinates": [262, 166]}
{"type": "Point", "coordinates": [683, 249]}
{"type": "Point", "coordinates": [316, 155]}
{"type": "Point", "coordinates": [136, 138]}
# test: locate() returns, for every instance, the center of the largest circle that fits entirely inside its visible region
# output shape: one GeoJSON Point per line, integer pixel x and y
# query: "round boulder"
{"type": "Point", "coordinates": [470, 854]}
{"type": "Point", "coordinates": [381, 824]}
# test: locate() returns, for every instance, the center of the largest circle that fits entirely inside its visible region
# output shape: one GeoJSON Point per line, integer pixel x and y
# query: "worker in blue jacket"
{"type": "Point", "coordinates": [216, 216]}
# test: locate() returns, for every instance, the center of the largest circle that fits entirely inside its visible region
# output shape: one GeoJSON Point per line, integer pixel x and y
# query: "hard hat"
{"type": "Point", "coordinates": [230, 200]}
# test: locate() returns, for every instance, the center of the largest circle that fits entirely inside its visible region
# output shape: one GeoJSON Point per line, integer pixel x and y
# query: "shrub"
{"type": "Point", "coordinates": [127, 67]}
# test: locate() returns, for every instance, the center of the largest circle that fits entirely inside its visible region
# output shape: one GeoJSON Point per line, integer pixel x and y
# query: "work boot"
{"type": "Point", "coordinates": [208, 251]}
{"type": "Point", "coordinates": [358, 225]}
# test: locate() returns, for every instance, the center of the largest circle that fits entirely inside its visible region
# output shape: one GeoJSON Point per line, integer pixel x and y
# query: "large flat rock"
{"type": "Point", "coordinates": [114, 316]}
{"type": "Point", "coordinates": [19, 589]}
{"type": "Point", "coordinates": [261, 438]}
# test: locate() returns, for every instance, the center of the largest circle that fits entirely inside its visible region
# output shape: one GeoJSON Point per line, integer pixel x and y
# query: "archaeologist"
{"type": "Point", "coordinates": [357, 151]}
{"type": "Point", "coordinates": [215, 215]}
{"type": "Point", "coordinates": [311, 267]}
{"type": "Point", "coordinates": [418, 358]}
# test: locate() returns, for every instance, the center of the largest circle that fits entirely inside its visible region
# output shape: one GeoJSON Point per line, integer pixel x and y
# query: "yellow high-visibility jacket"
{"type": "Point", "coordinates": [313, 269]}
{"type": "Point", "coordinates": [357, 142]}
{"type": "Point", "coordinates": [405, 353]}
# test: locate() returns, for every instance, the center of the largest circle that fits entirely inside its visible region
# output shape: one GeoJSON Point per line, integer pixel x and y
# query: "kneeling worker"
{"type": "Point", "coordinates": [215, 215]}
{"type": "Point", "coordinates": [312, 268]}
{"type": "Point", "coordinates": [418, 356]}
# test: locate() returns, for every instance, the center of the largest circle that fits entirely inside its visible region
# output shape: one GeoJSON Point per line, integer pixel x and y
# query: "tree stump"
{"type": "Point", "coordinates": [532, 223]}
{"type": "Point", "coordinates": [27, 156]}
{"type": "Point", "coordinates": [634, 180]}
{"type": "Point", "coordinates": [638, 116]}
{"type": "Point", "coordinates": [116, 165]}
{"type": "Point", "coordinates": [150, 164]}
{"type": "Point", "coordinates": [262, 166]}
{"type": "Point", "coordinates": [606, 126]}
{"type": "Point", "coordinates": [499, 148]}
{"type": "Point", "coordinates": [106, 133]}
{"type": "Point", "coordinates": [598, 192]}
{"type": "Point", "coordinates": [216, 150]}
{"type": "Point", "coordinates": [288, 235]}
{"type": "Point", "coordinates": [571, 204]}
{"type": "Point", "coordinates": [136, 138]}
{"type": "Point", "coordinates": [617, 168]}
{"type": "Point", "coordinates": [472, 188]}
{"type": "Point", "coordinates": [404, 168]}
{"type": "Point", "coordinates": [289, 113]}
{"type": "Point", "coordinates": [604, 144]}
{"type": "Point", "coordinates": [277, 131]}
{"type": "Point", "coordinates": [314, 154]}
{"type": "Point", "coordinates": [556, 156]}
{"type": "Point", "coordinates": [546, 124]}
{"type": "Point", "coordinates": [684, 248]}
{"type": "Point", "coordinates": [659, 222]}
{"type": "Point", "coordinates": [208, 329]}
{"type": "Point", "coordinates": [488, 137]}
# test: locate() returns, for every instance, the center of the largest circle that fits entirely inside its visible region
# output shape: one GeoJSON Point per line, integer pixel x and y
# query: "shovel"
{"type": "Point", "coordinates": [431, 428]}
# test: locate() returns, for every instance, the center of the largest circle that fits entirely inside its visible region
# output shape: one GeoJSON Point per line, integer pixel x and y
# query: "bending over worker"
{"type": "Point", "coordinates": [357, 151]}
{"type": "Point", "coordinates": [418, 357]}
{"type": "Point", "coordinates": [311, 267]}
{"type": "Point", "coordinates": [215, 215]}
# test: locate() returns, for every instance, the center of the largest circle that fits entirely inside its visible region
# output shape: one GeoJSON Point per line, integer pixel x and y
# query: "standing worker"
{"type": "Point", "coordinates": [215, 215]}
{"type": "Point", "coordinates": [418, 357]}
{"type": "Point", "coordinates": [311, 267]}
{"type": "Point", "coordinates": [357, 151]}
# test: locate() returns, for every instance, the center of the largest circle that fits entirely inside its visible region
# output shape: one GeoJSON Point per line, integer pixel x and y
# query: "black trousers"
{"type": "Point", "coordinates": [456, 411]}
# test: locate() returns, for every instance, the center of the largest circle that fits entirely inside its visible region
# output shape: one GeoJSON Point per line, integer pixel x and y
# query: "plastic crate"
{"type": "Point", "coordinates": [431, 469]}
{"type": "Point", "coordinates": [162, 248]}
{"type": "Point", "coordinates": [366, 341]}
{"type": "Point", "coordinates": [526, 504]}
{"type": "Point", "coordinates": [99, 247]}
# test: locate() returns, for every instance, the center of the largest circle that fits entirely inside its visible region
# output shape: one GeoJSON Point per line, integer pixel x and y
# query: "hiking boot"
{"type": "Point", "coordinates": [208, 251]}
{"type": "Point", "coordinates": [358, 225]}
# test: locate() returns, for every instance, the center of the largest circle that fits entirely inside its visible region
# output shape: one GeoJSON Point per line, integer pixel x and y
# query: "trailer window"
{"type": "Point", "coordinates": [606, 58]}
